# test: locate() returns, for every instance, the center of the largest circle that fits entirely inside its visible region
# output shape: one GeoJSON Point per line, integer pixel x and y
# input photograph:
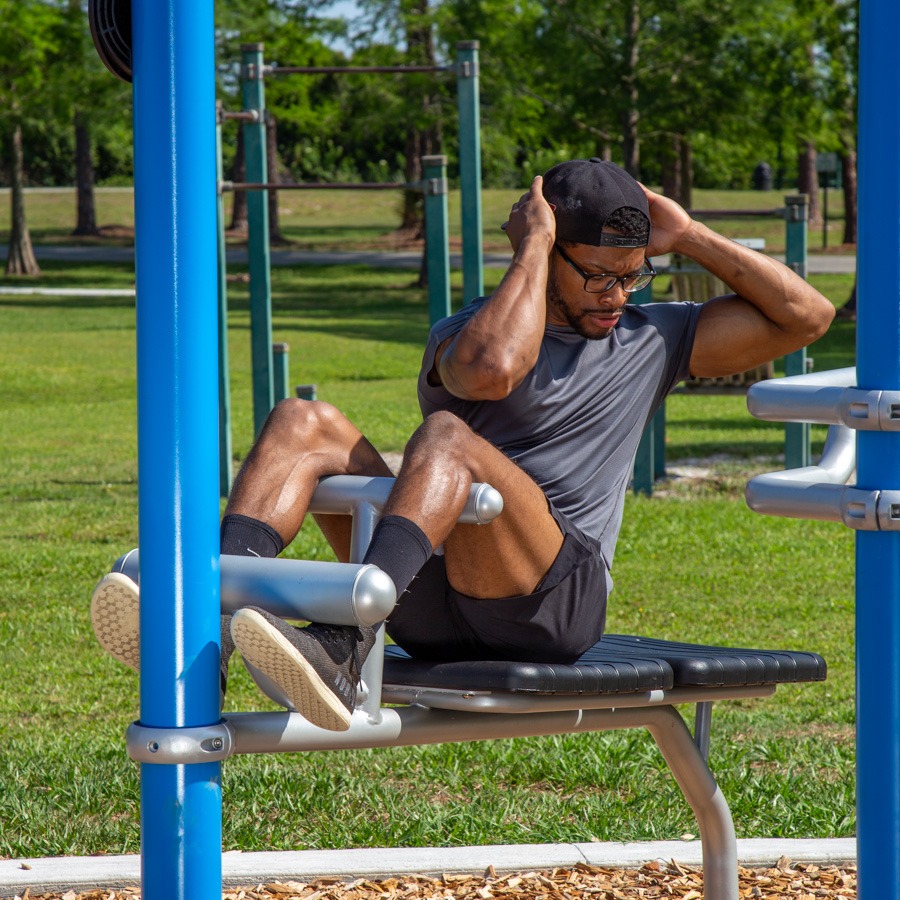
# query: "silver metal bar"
{"type": "Point", "coordinates": [340, 495]}
{"type": "Point", "coordinates": [811, 492]}
{"type": "Point", "coordinates": [813, 397]}
{"type": "Point", "coordinates": [521, 703]}
{"type": "Point", "coordinates": [283, 732]}
{"type": "Point", "coordinates": [720, 871]}
{"type": "Point", "coordinates": [365, 518]}
{"type": "Point", "coordinates": [337, 593]}
{"type": "Point", "coordinates": [703, 727]}
{"type": "Point", "coordinates": [829, 398]}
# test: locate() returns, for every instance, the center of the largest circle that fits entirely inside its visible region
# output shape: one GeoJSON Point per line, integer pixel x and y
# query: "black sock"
{"type": "Point", "coordinates": [399, 548]}
{"type": "Point", "coordinates": [243, 536]}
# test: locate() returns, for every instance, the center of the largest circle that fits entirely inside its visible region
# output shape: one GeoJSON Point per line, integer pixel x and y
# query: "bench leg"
{"type": "Point", "coordinates": [686, 762]}
{"type": "Point", "coordinates": [703, 727]}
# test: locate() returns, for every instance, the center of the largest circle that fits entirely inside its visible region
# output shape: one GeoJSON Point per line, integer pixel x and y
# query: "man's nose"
{"type": "Point", "coordinates": [616, 296]}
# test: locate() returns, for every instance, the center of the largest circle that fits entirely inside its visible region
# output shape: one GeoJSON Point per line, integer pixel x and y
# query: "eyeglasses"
{"type": "Point", "coordinates": [601, 282]}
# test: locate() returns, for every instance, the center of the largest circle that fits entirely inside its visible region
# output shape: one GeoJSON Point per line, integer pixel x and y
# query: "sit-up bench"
{"type": "Point", "coordinates": [621, 682]}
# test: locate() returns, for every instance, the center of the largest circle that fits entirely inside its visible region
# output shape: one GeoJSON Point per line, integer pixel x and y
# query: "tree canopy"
{"type": "Point", "coordinates": [694, 92]}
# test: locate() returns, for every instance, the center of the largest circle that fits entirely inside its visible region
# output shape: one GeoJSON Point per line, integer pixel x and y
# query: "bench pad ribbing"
{"type": "Point", "coordinates": [617, 664]}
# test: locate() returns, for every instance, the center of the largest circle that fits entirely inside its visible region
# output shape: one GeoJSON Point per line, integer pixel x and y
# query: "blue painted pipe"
{"type": "Point", "coordinates": [175, 215]}
{"type": "Point", "coordinates": [878, 366]}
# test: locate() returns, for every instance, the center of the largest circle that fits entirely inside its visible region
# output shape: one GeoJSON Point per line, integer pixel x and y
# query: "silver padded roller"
{"type": "Point", "coordinates": [341, 494]}
{"type": "Point", "coordinates": [811, 492]}
{"type": "Point", "coordinates": [813, 397]}
{"type": "Point", "coordinates": [337, 593]}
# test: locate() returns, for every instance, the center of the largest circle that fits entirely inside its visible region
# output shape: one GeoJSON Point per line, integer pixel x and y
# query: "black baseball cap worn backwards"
{"type": "Point", "coordinates": [586, 192]}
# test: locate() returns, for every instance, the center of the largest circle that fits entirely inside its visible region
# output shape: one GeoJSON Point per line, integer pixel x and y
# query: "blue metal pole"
{"type": "Point", "coordinates": [878, 366]}
{"type": "Point", "coordinates": [178, 490]}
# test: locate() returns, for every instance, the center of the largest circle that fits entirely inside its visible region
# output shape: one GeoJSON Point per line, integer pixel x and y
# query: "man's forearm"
{"type": "Point", "coordinates": [777, 292]}
{"type": "Point", "coordinates": [501, 342]}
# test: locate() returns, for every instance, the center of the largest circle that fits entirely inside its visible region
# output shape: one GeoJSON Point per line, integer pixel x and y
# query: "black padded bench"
{"type": "Point", "coordinates": [619, 663]}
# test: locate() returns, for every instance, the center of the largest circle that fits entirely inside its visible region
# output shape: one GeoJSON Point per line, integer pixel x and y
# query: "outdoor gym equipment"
{"type": "Point", "coordinates": [622, 682]}
{"type": "Point", "coordinates": [433, 185]}
{"type": "Point", "coordinates": [179, 515]}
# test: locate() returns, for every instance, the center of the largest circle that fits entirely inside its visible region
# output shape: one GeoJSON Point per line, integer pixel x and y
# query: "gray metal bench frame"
{"type": "Point", "coordinates": [351, 593]}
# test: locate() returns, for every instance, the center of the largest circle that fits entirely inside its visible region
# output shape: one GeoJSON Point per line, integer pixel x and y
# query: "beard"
{"type": "Point", "coordinates": [577, 321]}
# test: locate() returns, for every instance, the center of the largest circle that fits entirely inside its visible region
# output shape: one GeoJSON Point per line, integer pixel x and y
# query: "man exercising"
{"type": "Point", "coordinates": [542, 390]}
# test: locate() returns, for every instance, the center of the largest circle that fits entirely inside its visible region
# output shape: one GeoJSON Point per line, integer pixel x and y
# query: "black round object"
{"type": "Point", "coordinates": [110, 22]}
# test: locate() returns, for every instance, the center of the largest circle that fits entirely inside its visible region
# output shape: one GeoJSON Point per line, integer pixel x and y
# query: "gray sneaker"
{"type": "Point", "coordinates": [116, 619]}
{"type": "Point", "coordinates": [317, 667]}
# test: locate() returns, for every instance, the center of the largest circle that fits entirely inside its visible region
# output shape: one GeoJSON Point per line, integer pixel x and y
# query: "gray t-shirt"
{"type": "Point", "coordinates": [575, 422]}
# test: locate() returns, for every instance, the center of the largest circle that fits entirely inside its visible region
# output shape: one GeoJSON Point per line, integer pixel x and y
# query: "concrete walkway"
{"type": "Point", "coordinates": [84, 873]}
{"type": "Point", "coordinates": [817, 265]}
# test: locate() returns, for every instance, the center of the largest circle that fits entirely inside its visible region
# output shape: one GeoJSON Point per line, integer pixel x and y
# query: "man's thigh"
{"type": "Point", "coordinates": [512, 554]}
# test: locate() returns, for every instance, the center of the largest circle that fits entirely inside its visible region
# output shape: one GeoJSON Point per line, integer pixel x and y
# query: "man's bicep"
{"type": "Point", "coordinates": [733, 336]}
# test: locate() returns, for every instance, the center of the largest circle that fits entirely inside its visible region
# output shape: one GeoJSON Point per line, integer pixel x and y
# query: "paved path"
{"type": "Point", "coordinates": [238, 868]}
{"type": "Point", "coordinates": [818, 265]}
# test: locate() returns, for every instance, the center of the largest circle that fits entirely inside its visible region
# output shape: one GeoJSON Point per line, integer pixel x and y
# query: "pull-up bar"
{"type": "Point", "coordinates": [354, 70]}
{"type": "Point", "coordinates": [228, 186]}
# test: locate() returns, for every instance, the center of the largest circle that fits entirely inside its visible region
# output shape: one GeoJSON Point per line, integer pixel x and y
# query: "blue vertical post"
{"type": "Point", "coordinates": [470, 168]}
{"type": "Point", "coordinates": [878, 366]}
{"type": "Point", "coordinates": [225, 464]}
{"type": "Point", "coordinates": [254, 100]}
{"type": "Point", "coordinates": [437, 246]}
{"type": "Point", "coordinates": [796, 227]}
{"type": "Point", "coordinates": [178, 490]}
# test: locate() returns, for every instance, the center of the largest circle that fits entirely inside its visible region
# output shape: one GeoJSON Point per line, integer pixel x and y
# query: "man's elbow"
{"type": "Point", "coordinates": [818, 319]}
{"type": "Point", "coordinates": [488, 381]}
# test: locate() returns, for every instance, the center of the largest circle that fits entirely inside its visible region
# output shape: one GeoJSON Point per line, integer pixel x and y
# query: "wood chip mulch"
{"type": "Point", "coordinates": [671, 881]}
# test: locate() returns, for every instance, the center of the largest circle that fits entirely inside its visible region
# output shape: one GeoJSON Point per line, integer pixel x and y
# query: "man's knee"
{"type": "Point", "coordinates": [441, 427]}
{"type": "Point", "coordinates": [304, 423]}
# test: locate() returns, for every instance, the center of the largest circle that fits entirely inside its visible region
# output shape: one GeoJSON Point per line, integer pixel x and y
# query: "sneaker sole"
{"type": "Point", "coordinates": [116, 618]}
{"type": "Point", "coordinates": [271, 652]}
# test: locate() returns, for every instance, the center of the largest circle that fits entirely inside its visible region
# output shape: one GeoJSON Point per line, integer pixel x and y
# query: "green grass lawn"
{"type": "Point", "coordinates": [329, 220]}
{"type": "Point", "coordinates": [693, 564]}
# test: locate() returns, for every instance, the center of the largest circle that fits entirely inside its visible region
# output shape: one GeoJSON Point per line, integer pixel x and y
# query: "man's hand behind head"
{"type": "Point", "coordinates": [669, 223]}
{"type": "Point", "coordinates": [531, 214]}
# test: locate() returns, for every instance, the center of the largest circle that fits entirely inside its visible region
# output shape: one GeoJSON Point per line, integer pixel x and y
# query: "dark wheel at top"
{"type": "Point", "coordinates": [110, 22]}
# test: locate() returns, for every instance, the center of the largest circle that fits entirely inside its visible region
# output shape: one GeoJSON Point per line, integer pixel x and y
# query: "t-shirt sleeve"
{"type": "Point", "coordinates": [677, 325]}
{"type": "Point", "coordinates": [435, 397]}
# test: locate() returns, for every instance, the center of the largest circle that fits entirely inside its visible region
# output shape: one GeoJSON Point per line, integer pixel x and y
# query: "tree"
{"type": "Point", "coordinates": [89, 94]}
{"type": "Point", "coordinates": [28, 41]}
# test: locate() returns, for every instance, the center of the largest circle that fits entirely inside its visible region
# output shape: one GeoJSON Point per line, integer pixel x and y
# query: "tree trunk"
{"type": "Point", "coordinates": [21, 259]}
{"type": "Point", "coordinates": [86, 217]}
{"type": "Point", "coordinates": [671, 167]}
{"type": "Point", "coordinates": [808, 180]}
{"type": "Point", "coordinates": [238, 174]}
{"type": "Point", "coordinates": [848, 175]}
{"type": "Point", "coordinates": [686, 197]}
{"type": "Point", "coordinates": [412, 218]}
{"type": "Point", "coordinates": [272, 167]}
{"type": "Point", "coordinates": [630, 143]}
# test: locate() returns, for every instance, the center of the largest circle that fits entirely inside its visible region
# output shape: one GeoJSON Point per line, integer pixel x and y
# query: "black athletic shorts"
{"type": "Point", "coordinates": [556, 624]}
